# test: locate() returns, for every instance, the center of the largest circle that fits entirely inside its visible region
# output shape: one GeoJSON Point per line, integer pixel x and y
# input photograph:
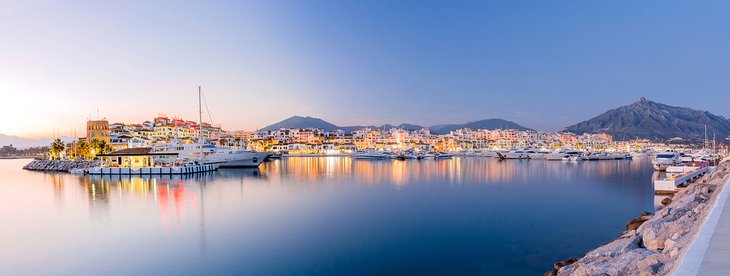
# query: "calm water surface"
{"type": "Point", "coordinates": [304, 216]}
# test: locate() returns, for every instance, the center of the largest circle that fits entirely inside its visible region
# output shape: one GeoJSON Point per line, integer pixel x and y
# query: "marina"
{"type": "Point", "coordinates": [682, 176]}
{"type": "Point", "coordinates": [554, 138]}
{"type": "Point", "coordinates": [249, 220]}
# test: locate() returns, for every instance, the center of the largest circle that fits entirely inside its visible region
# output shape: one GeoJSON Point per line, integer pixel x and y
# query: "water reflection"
{"type": "Point", "coordinates": [477, 171]}
{"type": "Point", "coordinates": [329, 215]}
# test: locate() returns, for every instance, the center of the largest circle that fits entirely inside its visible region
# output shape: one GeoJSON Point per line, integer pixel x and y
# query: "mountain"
{"type": "Point", "coordinates": [652, 120]}
{"type": "Point", "coordinates": [482, 124]}
{"type": "Point", "coordinates": [310, 122]}
{"type": "Point", "coordinates": [20, 142]}
{"type": "Point", "coordinates": [302, 122]}
{"type": "Point", "coordinates": [409, 127]}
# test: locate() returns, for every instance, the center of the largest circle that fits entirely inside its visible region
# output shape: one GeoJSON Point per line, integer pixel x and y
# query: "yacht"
{"type": "Point", "coordinates": [224, 158]}
{"type": "Point", "coordinates": [442, 155]}
{"type": "Point", "coordinates": [517, 154]}
{"type": "Point", "coordinates": [370, 155]}
{"type": "Point", "coordinates": [564, 155]}
{"type": "Point", "coordinates": [665, 159]}
{"type": "Point", "coordinates": [205, 153]}
{"type": "Point", "coordinates": [489, 153]}
{"type": "Point", "coordinates": [538, 155]}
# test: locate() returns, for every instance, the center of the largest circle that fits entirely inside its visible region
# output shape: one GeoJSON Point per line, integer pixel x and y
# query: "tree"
{"type": "Point", "coordinates": [99, 147]}
{"type": "Point", "coordinates": [8, 150]}
{"type": "Point", "coordinates": [57, 148]}
{"type": "Point", "coordinates": [83, 149]}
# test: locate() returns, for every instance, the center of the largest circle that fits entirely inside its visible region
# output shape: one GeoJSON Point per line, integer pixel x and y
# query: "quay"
{"type": "Point", "coordinates": [151, 170]}
{"type": "Point", "coordinates": [687, 174]}
{"type": "Point", "coordinates": [708, 252]}
{"type": "Point", "coordinates": [689, 235]}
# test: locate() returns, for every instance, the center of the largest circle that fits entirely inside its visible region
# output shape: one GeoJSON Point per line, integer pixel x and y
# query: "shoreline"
{"type": "Point", "coordinates": [657, 244]}
{"type": "Point", "coordinates": [690, 262]}
{"type": "Point", "coordinates": [20, 157]}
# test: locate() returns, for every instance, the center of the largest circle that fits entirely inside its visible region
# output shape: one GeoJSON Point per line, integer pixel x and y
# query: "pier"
{"type": "Point", "coordinates": [669, 185]}
{"type": "Point", "coordinates": [708, 252]}
{"type": "Point", "coordinates": [152, 170]}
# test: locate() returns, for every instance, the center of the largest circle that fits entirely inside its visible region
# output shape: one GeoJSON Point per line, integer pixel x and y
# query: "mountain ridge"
{"type": "Point", "coordinates": [652, 120]}
{"type": "Point", "coordinates": [312, 122]}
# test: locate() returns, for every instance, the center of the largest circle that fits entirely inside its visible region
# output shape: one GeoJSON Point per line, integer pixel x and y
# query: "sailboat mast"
{"type": "Point", "coordinates": [705, 146]}
{"type": "Point", "coordinates": [200, 125]}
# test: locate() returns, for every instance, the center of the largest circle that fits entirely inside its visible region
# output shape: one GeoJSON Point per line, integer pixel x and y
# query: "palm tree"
{"type": "Point", "coordinates": [57, 148]}
{"type": "Point", "coordinates": [83, 149]}
{"type": "Point", "coordinates": [99, 147]}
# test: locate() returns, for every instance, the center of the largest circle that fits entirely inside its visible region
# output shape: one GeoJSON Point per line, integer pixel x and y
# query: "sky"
{"type": "Point", "coordinates": [542, 64]}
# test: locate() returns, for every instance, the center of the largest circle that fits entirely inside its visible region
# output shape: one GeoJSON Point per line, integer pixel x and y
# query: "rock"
{"type": "Point", "coordinates": [669, 244]}
{"type": "Point", "coordinates": [674, 252]}
{"type": "Point", "coordinates": [652, 264]}
{"type": "Point", "coordinates": [651, 245]}
{"type": "Point", "coordinates": [666, 201]}
{"type": "Point", "coordinates": [563, 263]}
{"type": "Point", "coordinates": [59, 165]}
{"type": "Point", "coordinates": [635, 223]}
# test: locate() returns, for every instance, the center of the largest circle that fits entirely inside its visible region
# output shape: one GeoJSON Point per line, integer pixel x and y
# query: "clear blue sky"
{"type": "Point", "coordinates": [543, 64]}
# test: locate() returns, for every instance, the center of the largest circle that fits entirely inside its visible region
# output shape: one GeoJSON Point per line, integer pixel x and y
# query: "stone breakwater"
{"type": "Point", "coordinates": [60, 165]}
{"type": "Point", "coordinates": [653, 244]}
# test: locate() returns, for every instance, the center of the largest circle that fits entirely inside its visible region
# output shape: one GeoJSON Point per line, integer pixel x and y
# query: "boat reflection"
{"type": "Point", "coordinates": [477, 171]}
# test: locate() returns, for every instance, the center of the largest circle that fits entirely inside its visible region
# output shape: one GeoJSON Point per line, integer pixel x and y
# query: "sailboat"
{"type": "Point", "coordinates": [207, 153]}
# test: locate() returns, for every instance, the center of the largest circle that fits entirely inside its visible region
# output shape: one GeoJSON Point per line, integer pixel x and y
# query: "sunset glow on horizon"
{"type": "Point", "coordinates": [350, 63]}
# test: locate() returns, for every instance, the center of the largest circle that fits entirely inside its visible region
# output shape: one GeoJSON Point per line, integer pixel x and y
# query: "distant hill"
{"type": "Point", "coordinates": [482, 124]}
{"type": "Point", "coordinates": [20, 142]}
{"type": "Point", "coordinates": [409, 127]}
{"type": "Point", "coordinates": [311, 122]}
{"type": "Point", "coordinates": [652, 120]}
{"type": "Point", "coordinates": [302, 122]}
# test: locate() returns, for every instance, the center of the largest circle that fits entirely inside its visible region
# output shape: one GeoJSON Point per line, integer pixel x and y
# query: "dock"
{"type": "Point", "coordinates": [176, 170]}
{"type": "Point", "coordinates": [670, 185]}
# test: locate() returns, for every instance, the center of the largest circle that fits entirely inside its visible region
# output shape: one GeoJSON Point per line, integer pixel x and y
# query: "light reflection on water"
{"type": "Point", "coordinates": [320, 216]}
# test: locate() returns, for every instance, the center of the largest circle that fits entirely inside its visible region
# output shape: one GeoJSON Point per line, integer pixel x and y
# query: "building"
{"type": "Point", "coordinates": [98, 130]}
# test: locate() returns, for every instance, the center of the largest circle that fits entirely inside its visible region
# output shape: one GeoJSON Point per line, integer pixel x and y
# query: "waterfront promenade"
{"type": "Point", "coordinates": [710, 251]}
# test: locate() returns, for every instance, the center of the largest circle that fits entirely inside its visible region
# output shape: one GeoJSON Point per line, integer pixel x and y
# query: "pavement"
{"type": "Point", "coordinates": [709, 253]}
{"type": "Point", "coordinates": [717, 257]}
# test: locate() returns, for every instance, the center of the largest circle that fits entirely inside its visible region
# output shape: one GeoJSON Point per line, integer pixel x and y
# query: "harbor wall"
{"type": "Point", "coordinates": [654, 244]}
{"type": "Point", "coordinates": [60, 165]}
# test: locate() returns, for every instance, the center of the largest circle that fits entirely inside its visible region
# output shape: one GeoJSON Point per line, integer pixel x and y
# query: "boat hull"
{"type": "Point", "coordinates": [253, 160]}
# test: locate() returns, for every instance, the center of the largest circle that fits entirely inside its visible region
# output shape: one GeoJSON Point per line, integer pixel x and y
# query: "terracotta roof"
{"type": "Point", "coordinates": [135, 151]}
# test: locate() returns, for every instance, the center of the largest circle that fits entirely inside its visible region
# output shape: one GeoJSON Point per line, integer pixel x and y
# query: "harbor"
{"type": "Point", "coordinates": [554, 138]}
{"type": "Point", "coordinates": [497, 208]}
{"type": "Point", "coordinates": [686, 236]}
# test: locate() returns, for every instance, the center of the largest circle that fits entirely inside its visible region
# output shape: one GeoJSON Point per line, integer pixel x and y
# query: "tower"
{"type": "Point", "coordinates": [97, 129]}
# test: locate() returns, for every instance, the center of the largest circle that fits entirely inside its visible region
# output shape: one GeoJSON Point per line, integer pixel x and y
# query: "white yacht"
{"type": "Point", "coordinates": [225, 158]}
{"type": "Point", "coordinates": [517, 154]}
{"type": "Point", "coordinates": [442, 155]}
{"type": "Point", "coordinates": [665, 159]}
{"type": "Point", "coordinates": [538, 155]}
{"type": "Point", "coordinates": [563, 155]}
{"type": "Point", "coordinates": [371, 154]}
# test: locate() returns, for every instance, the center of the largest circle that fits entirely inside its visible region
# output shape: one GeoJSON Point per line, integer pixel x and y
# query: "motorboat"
{"type": "Point", "coordinates": [442, 155]}
{"type": "Point", "coordinates": [665, 159]}
{"type": "Point", "coordinates": [516, 154]}
{"type": "Point", "coordinates": [564, 155]}
{"type": "Point", "coordinates": [224, 158]}
{"type": "Point", "coordinates": [538, 155]}
{"type": "Point", "coordinates": [371, 154]}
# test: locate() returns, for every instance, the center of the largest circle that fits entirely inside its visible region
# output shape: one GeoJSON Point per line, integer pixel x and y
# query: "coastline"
{"type": "Point", "coordinates": [656, 244]}
{"type": "Point", "coordinates": [21, 157]}
{"type": "Point", "coordinates": [60, 165]}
